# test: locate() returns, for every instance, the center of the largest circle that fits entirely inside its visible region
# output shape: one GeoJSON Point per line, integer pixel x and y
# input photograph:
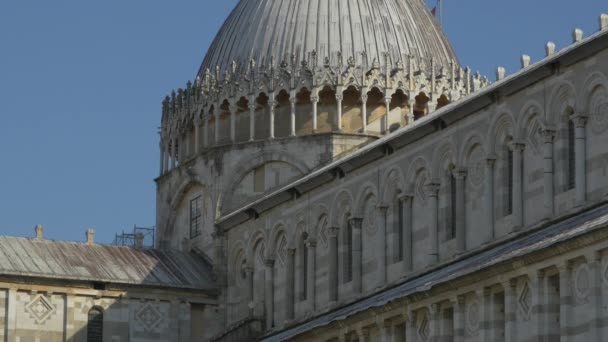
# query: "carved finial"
{"type": "Point", "coordinates": [577, 35]}
{"type": "Point", "coordinates": [198, 81]}
{"type": "Point", "coordinates": [39, 229]}
{"type": "Point", "coordinates": [90, 234]}
{"type": "Point", "coordinates": [351, 62]}
{"type": "Point", "coordinates": [326, 62]}
{"type": "Point", "coordinates": [550, 48]}
{"type": "Point", "coordinates": [603, 22]}
{"type": "Point", "coordinates": [525, 61]}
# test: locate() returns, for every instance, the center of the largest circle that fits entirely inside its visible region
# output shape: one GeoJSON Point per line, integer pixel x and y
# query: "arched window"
{"type": "Point", "coordinates": [95, 325]}
{"type": "Point", "coordinates": [452, 230]}
{"type": "Point", "coordinates": [348, 255]}
{"type": "Point", "coordinates": [304, 267]}
{"type": "Point", "coordinates": [571, 184]}
{"type": "Point", "coordinates": [509, 182]}
{"type": "Point", "coordinates": [399, 226]}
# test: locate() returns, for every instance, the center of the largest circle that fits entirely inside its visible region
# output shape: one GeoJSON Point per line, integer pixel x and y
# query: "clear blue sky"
{"type": "Point", "coordinates": [81, 84]}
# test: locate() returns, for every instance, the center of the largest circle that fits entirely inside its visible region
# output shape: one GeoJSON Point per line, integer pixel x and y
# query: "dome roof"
{"type": "Point", "coordinates": [261, 29]}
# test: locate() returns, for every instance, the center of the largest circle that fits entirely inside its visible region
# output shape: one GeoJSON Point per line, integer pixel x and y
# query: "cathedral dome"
{"type": "Point", "coordinates": [284, 29]}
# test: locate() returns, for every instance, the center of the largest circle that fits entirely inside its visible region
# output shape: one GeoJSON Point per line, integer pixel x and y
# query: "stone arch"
{"type": "Point", "coordinates": [304, 110]}
{"type": "Point", "coordinates": [327, 109]}
{"type": "Point", "coordinates": [597, 80]}
{"type": "Point", "coordinates": [320, 226]}
{"type": "Point", "coordinates": [472, 139]}
{"type": "Point", "coordinates": [242, 119]}
{"type": "Point", "coordinates": [444, 154]}
{"type": "Point", "coordinates": [276, 241]}
{"type": "Point", "coordinates": [563, 97]}
{"type": "Point", "coordinates": [258, 236]}
{"type": "Point", "coordinates": [530, 126]}
{"type": "Point", "coordinates": [367, 190]}
{"type": "Point", "coordinates": [393, 184]}
{"type": "Point", "coordinates": [351, 109]}
{"type": "Point", "coordinates": [282, 115]}
{"type": "Point", "coordinates": [342, 205]}
{"type": "Point", "coordinates": [502, 129]}
{"type": "Point", "coordinates": [419, 165]}
{"type": "Point", "coordinates": [244, 166]}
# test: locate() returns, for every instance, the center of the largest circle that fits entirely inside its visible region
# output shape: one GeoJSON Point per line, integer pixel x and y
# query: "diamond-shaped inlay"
{"type": "Point", "coordinates": [149, 317]}
{"type": "Point", "coordinates": [525, 300]}
{"type": "Point", "coordinates": [40, 309]}
{"type": "Point", "coordinates": [424, 329]}
{"type": "Point", "coordinates": [582, 284]}
{"type": "Point", "coordinates": [322, 229]}
{"type": "Point", "coordinates": [282, 250]}
{"type": "Point", "coordinates": [472, 314]}
{"type": "Point", "coordinates": [261, 250]}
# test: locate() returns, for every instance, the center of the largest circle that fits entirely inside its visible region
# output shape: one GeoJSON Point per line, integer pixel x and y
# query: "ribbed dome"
{"type": "Point", "coordinates": [259, 29]}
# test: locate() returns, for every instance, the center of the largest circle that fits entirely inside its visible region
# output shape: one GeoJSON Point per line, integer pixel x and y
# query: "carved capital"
{"type": "Point", "coordinates": [516, 146]}
{"type": "Point", "coordinates": [314, 98]}
{"type": "Point", "coordinates": [355, 223]}
{"type": "Point", "coordinates": [431, 189]}
{"type": "Point", "coordinates": [269, 262]}
{"type": "Point", "coordinates": [310, 243]}
{"type": "Point", "coordinates": [579, 120]}
{"type": "Point", "coordinates": [339, 97]}
{"type": "Point", "coordinates": [460, 173]}
{"type": "Point", "coordinates": [332, 232]}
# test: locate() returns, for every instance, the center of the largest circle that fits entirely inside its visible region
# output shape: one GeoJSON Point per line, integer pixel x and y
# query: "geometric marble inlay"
{"type": "Point", "coordinates": [472, 317]}
{"type": "Point", "coordinates": [424, 329]}
{"type": "Point", "coordinates": [40, 309]}
{"type": "Point", "coordinates": [582, 288]}
{"type": "Point", "coordinates": [149, 317]}
{"type": "Point", "coordinates": [525, 301]}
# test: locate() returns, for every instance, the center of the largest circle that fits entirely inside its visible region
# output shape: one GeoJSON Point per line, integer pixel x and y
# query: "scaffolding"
{"type": "Point", "coordinates": [129, 239]}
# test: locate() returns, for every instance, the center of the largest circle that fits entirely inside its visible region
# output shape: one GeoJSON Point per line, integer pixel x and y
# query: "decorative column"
{"type": "Point", "coordinates": [217, 126]}
{"type": "Point", "coordinates": [432, 191]}
{"type": "Point", "coordinates": [333, 263]}
{"type": "Point", "coordinates": [510, 288]}
{"type": "Point", "coordinates": [406, 207]}
{"type": "Point", "coordinates": [410, 329]}
{"type": "Point", "coordinates": [381, 211]}
{"type": "Point", "coordinates": [386, 331]}
{"type": "Point", "coordinates": [565, 301]}
{"type": "Point", "coordinates": [549, 137]}
{"type": "Point", "coordinates": [232, 122]}
{"type": "Point", "coordinates": [486, 314]}
{"type": "Point", "coordinates": [580, 122]}
{"type": "Point", "coordinates": [166, 157]}
{"type": "Point", "coordinates": [355, 226]}
{"type": "Point", "coordinates": [434, 320]}
{"type": "Point", "coordinates": [339, 99]}
{"type": "Point", "coordinates": [311, 244]}
{"type": "Point", "coordinates": [269, 293]}
{"type": "Point", "coordinates": [490, 163]}
{"type": "Point", "coordinates": [410, 115]}
{"type": "Point", "coordinates": [206, 132]}
{"type": "Point", "coordinates": [595, 297]}
{"type": "Point", "coordinates": [293, 100]}
{"type": "Point", "coordinates": [249, 283]}
{"type": "Point", "coordinates": [364, 110]}
{"type": "Point", "coordinates": [197, 133]}
{"type": "Point", "coordinates": [252, 118]}
{"type": "Point", "coordinates": [365, 335]}
{"type": "Point", "coordinates": [162, 158]}
{"type": "Point", "coordinates": [273, 104]}
{"type": "Point", "coordinates": [518, 201]}
{"type": "Point", "coordinates": [290, 285]}
{"type": "Point", "coordinates": [461, 233]}
{"type": "Point", "coordinates": [173, 154]}
{"type": "Point", "coordinates": [538, 315]}
{"type": "Point", "coordinates": [387, 101]}
{"type": "Point", "coordinates": [458, 304]}
{"type": "Point", "coordinates": [315, 100]}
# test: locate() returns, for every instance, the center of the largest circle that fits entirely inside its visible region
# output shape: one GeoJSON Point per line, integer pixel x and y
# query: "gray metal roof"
{"type": "Point", "coordinates": [77, 261]}
{"type": "Point", "coordinates": [591, 221]}
{"type": "Point", "coordinates": [260, 29]}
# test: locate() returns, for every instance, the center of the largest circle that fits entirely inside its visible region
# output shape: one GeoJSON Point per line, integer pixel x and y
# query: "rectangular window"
{"type": "Point", "coordinates": [304, 279]}
{"type": "Point", "coordinates": [196, 217]}
{"type": "Point", "coordinates": [348, 260]}
{"type": "Point", "coordinates": [400, 227]}
{"type": "Point", "coordinates": [571, 156]}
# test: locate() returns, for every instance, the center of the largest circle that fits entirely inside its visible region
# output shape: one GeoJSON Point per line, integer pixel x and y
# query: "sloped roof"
{"type": "Point", "coordinates": [591, 221]}
{"type": "Point", "coordinates": [261, 29]}
{"type": "Point", "coordinates": [103, 263]}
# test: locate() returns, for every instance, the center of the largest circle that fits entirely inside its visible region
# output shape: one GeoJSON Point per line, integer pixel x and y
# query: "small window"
{"type": "Point", "coordinates": [571, 156]}
{"type": "Point", "coordinates": [399, 227]}
{"type": "Point", "coordinates": [304, 278]}
{"type": "Point", "coordinates": [348, 257]}
{"type": "Point", "coordinates": [95, 326]}
{"type": "Point", "coordinates": [509, 185]}
{"type": "Point", "coordinates": [196, 217]}
{"type": "Point", "coordinates": [452, 229]}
